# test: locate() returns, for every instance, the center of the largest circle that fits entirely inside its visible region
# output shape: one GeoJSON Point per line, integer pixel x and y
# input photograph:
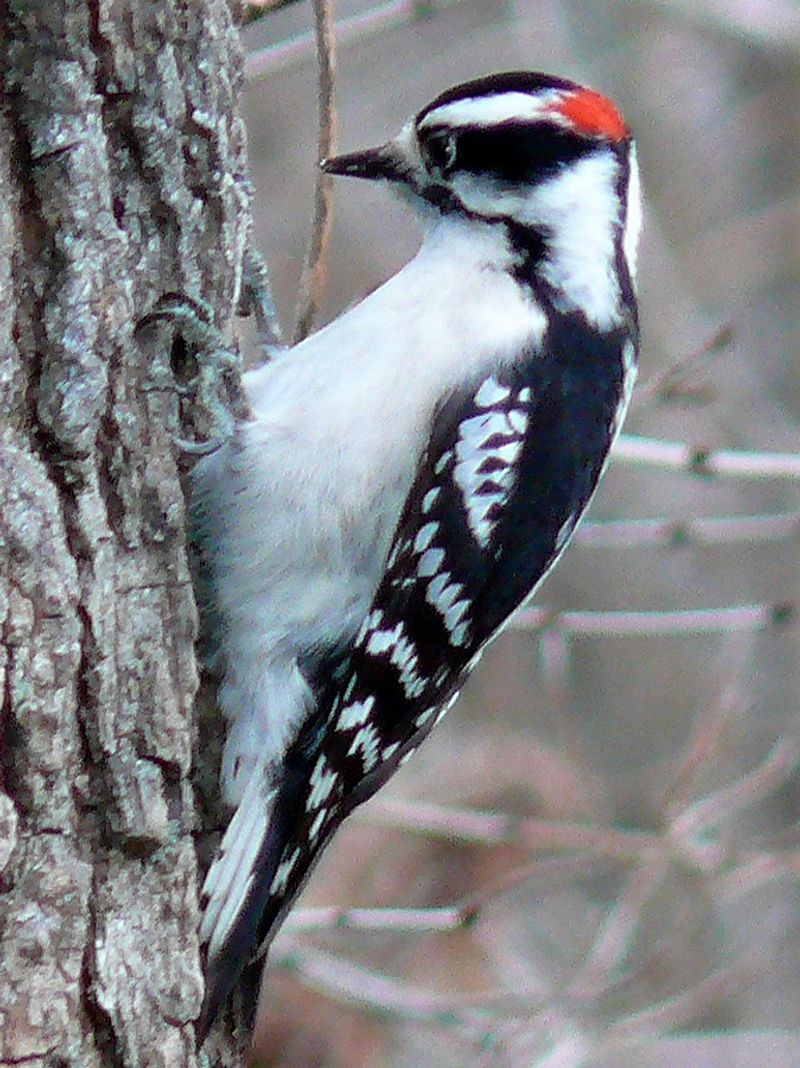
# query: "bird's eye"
{"type": "Point", "coordinates": [439, 152]}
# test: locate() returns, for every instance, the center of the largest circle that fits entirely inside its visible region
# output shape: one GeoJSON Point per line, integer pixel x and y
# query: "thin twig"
{"type": "Point", "coordinates": [731, 668]}
{"type": "Point", "coordinates": [486, 828]}
{"type": "Point", "coordinates": [412, 921]}
{"type": "Point", "coordinates": [679, 1010]}
{"type": "Point", "coordinates": [722, 805]}
{"type": "Point", "coordinates": [358, 27]}
{"type": "Point", "coordinates": [313, 278]}
{"type": "Point", "coordinates": [754, 872]}
{"type": "Point", "coordinates": [666, 533]}
{"type": "Point", "coordinates": [679, 623]}
{"type": "Point", "coordinates": [433, 919]}
{"type": "Point", "coordinates": [670, 383]}
{"type": "Point", "coordinates": [710, 463]}
{"type": "Point", "coordinates": [346, 981]}
{"type": "Point", "coordinates": [617, 931]}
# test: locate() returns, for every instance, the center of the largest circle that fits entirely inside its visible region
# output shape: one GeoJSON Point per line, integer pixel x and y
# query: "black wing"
{"type": "Point", "coordinates": [511, 466]}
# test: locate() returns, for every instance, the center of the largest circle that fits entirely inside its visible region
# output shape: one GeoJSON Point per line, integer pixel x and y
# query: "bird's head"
{"type": "Point", "coordinates": [535, 151]}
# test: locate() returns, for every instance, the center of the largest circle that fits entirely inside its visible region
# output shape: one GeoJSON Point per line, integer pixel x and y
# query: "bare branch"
{"type": "Point", "coordinates": [711, 463]}
{"type": "Point", "coordinates": [696, 531]}
{"type": "Point", "coordinates": [718, 807]}
{"type": "Point", "coordinates": [756, 871]}
{"type": "Point", "coordinates": [671, 383]}
{"type": "Point", "coordinates": [486, 828]}
{"type": "Point", "coordinates": [345, 981]}
{"type": "Point", "coordinates": [731, 668]}
{"type": "Point", "coordinates": [618, 930]}
{"type": "Point", "coordinates": [679, 1010]}
{"type": "Point", "coordinates": [357, 27]}
{"type": "Point", "coordinates": [747, 617]}
{"type": "Point", "coordinates": [313, 278]}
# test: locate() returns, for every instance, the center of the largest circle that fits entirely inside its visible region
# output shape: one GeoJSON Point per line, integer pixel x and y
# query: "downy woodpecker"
{"type": "Point", "coordinates": [410, 473]}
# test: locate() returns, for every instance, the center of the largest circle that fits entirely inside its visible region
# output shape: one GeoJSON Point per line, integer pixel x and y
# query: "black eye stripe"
{"type": "Point", "coordinates": [515, 152]}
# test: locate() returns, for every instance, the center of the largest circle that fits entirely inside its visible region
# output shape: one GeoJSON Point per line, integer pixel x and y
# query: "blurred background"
{"type": "Point", "coordinates": [601, 838]}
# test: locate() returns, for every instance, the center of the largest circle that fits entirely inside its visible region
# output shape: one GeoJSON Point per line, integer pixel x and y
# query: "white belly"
{"type": "Point", "coordinates": [296, 514]}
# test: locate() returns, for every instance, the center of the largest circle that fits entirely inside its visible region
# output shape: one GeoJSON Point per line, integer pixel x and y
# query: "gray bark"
{"type": "Point", "coordinates": [122, 175]}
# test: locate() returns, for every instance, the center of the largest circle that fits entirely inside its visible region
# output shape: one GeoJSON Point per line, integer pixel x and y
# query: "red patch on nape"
{"type": "Point", "coordinates": [592, 114]}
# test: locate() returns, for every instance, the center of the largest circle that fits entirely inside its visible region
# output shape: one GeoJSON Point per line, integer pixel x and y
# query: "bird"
{"type": "Point", "coordinates": [408, 475]}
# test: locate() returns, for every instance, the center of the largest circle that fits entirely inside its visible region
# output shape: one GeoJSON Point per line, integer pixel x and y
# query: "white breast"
{"type": "Point", "coordinates": [298, 511]}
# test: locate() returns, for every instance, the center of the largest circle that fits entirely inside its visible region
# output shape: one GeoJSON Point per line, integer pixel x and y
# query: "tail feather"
{"type": "Point", "coordinates": [227, 882]}
{"type": "Point", "coordinates": [242, 912]}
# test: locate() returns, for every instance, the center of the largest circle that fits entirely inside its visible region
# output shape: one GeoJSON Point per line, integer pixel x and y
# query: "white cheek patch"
{"type": "Point", "coordinates": [579, 210]}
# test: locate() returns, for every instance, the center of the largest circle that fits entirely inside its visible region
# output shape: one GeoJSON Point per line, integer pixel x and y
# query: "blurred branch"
{"type": "Point", "coordinates": [679, 1010]}
{"type": "Point", "coordinates": [617, 931]}
{"type": "Point", "coordinates": [724, 804]}
{"type": "Point", "coordinates": [432, 919]}
{"type": "Point", "coordinates": [382, 993]}
{"type": "Point", "coordinates": [488, 828]}
{"type": "Point", "coordinates": [694, 460]}
{"type": "Point", "coordinates": [655, 624]}
{"type": "Point", "coordinates": [313, 277]}
{"type": "Point", "coordinates": [756, 871]}
{"type": "Point", "coordinates": [671, 383]}
{"type": "Point", "coordinates": [358, 27]}
{"type": "Point", "coordinates": [410, 921]}
{"type": "Point", "coordinates": [666, 533]}
{"type": "Point", "coordinates": [731, 666]}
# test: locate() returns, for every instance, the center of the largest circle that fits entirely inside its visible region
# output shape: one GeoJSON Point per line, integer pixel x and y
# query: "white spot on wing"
{"type": "Point", "coordinates": [518, 420]}
{"type": "Point", "coordinates": [491, 393]}
{"type": "Point", "coordinates": [367, 742]}
{"type": "Point", "coordinates": [425, 537]}
{"type": "Point", "coordinates": [316, 825]}
{"type": "Point", "coordinates": [355, 714]}
{"type": "Point", "coordinates": [321, 782]}
{"type": "Point", "coordinates": [283, 872]}
{"type": "Point", "coordinates": [425, 715]}
{"type": "Point", "coordinates": [402, 654]}
{"type": "Point", "coordinates": [430, 562]}
{"type": "Point", "coordinates": [380, 641]}
{"type": "Point", "coordinates": [453, 615]}
{"type": "Point", "coordinates": [429, 499]}
{"type": "Point", "coordinates": [442, 462]}
{"type": "Point", "coordinates": [441, 592]}
{"type": "Point", "coordinates": [484, 470]}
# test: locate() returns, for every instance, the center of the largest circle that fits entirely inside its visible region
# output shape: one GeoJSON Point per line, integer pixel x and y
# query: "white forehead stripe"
{"type": "Point", "coordinates": [500, 107]}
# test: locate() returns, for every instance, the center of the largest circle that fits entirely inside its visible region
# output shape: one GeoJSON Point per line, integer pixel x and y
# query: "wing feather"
{"type": "Point", "coordinates": [511, 465]}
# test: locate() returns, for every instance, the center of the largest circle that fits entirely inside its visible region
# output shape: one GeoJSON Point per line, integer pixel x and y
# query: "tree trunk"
{"type": "Point", "coordinates": [122, 176]}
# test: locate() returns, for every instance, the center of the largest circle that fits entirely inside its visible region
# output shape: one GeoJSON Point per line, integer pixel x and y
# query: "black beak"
{"type": "Point", "coordinates": [382, 164]}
